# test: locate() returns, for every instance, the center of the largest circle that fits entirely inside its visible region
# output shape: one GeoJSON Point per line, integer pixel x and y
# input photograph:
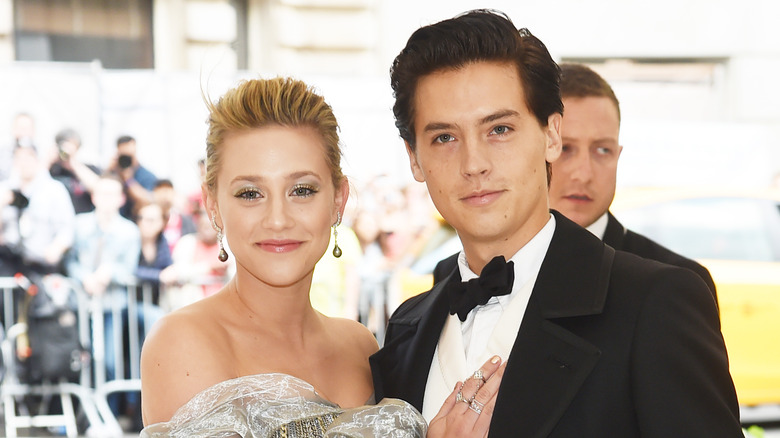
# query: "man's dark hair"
{"type": "Point", "coordinates": [124, 139]}
{"type": "Point", "coordinates": [474, 36]}
{"type": "Point", "coordinates": [578, 80]}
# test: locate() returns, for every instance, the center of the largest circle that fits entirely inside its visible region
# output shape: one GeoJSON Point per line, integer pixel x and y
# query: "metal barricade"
{"type": "Point", "coordinates": [119, 325]}
{"type": "Point", "coordinates": [112, 328]}
{"type": "Point", "coordinates": [13, 390]}
{"type": "Point", "coordinates": [116, 372]}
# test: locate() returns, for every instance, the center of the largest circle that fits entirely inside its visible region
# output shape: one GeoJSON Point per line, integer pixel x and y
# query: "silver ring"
{"type": "Point", "coordinates": [478, 375]}
{"type": "Point", "coordinates": [476, 406]}
{"type": "Point", "coordinates": [459, 397]}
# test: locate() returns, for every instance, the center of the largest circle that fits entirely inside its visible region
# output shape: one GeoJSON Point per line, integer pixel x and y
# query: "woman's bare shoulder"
{"type": "Point", "coordinates": [188, 327]}
{"type": "Point", "coordinates": [354, 334]}
{"type": "Point", "coordinates": [181, 356]}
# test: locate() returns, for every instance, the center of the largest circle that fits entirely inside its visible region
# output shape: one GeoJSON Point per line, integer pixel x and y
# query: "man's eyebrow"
{"type": "Point", "coordinates": [442, 126]}
{"type": "Point", "coordinates": [438, 126]}
{"type": "Point", "coordinates": [498, 116]}
{"type": "Point", "coordinates": [598, 141]}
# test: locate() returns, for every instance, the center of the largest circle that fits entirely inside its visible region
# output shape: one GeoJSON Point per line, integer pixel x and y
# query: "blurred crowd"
{"type": "Point", "coordinates": [100, 226]}
{"type": "Point", "coordinates": [121, 224]}
{"type": "Point", "coordinates": [385, 229]}
{"type": "Point", "coordinates": [106, 227]}
{"type": "Point", "coordinates": [64, 221]}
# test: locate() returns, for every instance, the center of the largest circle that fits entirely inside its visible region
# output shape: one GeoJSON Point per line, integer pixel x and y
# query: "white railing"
{"type": "Point", "coordinates": [113, 367]}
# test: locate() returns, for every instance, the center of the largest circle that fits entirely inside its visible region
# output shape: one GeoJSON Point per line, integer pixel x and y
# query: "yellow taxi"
{"type": "Point", "coordinates": [736, 235]}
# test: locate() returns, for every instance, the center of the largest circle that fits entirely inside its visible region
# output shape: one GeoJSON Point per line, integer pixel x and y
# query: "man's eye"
{"type": "Point", "coordinates": [444, 138]}
{"type": "Point", "coordinates": [501, 130]}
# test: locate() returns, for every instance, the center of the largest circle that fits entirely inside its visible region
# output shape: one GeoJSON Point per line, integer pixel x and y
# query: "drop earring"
{"type": "Point", "coordinates": [336, 249]}
{"type": "Point", "coordinates": [223, 255]}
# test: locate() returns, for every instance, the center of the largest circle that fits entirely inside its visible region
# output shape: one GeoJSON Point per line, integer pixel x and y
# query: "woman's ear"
{"type": "Point", "coordinates": [342, 195]}
{"type": "Point", "coordinates": [210, 204]}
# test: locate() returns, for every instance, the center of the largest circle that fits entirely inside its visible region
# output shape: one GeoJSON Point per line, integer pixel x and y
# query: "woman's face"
{"type": "Point", "coordinates": [275, 201]}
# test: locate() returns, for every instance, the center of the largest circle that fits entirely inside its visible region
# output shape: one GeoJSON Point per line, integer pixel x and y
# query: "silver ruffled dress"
{"type": "Point", "coordinates": [282, 406]}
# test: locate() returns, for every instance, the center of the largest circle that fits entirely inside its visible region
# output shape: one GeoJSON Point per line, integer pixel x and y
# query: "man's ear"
{"type": "Point", "coordinates": [553, 134]}
{"type": "Point", "coordinates": [417, 171]}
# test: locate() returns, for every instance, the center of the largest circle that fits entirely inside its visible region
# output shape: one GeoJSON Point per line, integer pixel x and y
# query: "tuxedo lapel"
{"type": "Point", "coordinates": [548, 363]}
{"type": "Point", "coordinates": [546, 369]}
{"type": "Point", "coordinates": [615, 232]}
{"type": "Point", "coordinates": [401, 367]}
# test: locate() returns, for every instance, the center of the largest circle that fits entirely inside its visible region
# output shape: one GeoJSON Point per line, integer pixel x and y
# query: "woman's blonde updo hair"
{"type": "Point", "coordinates": [261, 102]}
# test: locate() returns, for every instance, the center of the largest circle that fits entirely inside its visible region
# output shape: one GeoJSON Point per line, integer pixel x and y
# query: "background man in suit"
{"type": "Point", "coordinates": [598, 342]}
{"type": "Point", "coordinates": [584, 177]}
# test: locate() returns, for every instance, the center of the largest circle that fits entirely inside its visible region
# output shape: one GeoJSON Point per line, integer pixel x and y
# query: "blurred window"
{"type": "Point", "coordinates": [117, 32]}
{"type": "Point", "coordinates": [713, 228]}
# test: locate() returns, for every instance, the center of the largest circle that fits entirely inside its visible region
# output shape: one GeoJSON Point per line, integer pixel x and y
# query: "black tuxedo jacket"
{"type": "Point", "coordinates": [619, 237]}
{"type": "Point", "coordinates": [611, 345]}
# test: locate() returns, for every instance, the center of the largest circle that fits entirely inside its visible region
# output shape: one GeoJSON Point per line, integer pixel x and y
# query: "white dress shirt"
{"type": "Point", "coordinates": [481, 321]}
{"type": "Point", "coordinates": [464, 346]}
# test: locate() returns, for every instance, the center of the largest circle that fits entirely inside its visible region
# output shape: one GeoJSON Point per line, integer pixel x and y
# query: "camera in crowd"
{"type": "Point", "coordinates": [67, 135]}
{"type": "Point", "coordinates": [64, 156]}
{"type": "Point", "coordinates": [20, 201]}
{"type": "Point", "coordinates": [125, 161]}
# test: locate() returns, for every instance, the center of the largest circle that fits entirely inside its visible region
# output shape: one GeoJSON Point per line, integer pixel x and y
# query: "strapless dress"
{"type": "Point", "coordinates": [282, 406]}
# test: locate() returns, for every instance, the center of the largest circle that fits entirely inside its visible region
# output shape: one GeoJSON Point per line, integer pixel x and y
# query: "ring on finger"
{"type": "Point", "coordinates": [478, 375]}
{"type": "Point", "coordinates": [476, 406]}
{"type": "Point", "coordinates": [459, 397]}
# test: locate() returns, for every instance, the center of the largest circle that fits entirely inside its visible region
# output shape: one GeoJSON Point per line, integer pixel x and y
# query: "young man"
{"type": "Point", "coordinates": [36, 217]}
{"type": "Point", "coordinates": [597, 342]}
{"type": "Point", "coordinates": [104, 258]}
{"type": "Point", "coordinates": [66, 167]}
{"type": "Point", "coordinates": [585, 175]}
{"type": "Point", "coordinates": [138, 181]}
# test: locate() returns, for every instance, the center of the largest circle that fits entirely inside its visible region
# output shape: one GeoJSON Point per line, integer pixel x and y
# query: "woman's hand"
{"type": "Point", "coordinates": [469, 408]}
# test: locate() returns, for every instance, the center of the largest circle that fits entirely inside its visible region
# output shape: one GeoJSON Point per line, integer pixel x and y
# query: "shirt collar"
{"type": "Point", "coordinates": [528, 260]}
{"type": "Point", "coordinates": [599, 227]}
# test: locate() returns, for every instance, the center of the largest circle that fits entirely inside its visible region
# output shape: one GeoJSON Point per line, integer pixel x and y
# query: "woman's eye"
{"type": "Point", "coordinates": [303, 191]}
{"type": "Point", "coordinates": [249, 194]}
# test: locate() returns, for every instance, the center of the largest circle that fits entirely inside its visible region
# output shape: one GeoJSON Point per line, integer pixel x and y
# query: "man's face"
{"type": "Point", "coordinates": [126, 148]}
{"type": "Point", "coordinates": [482, 154]}
{"type": "Point", "coordinates": [583, 181]}
{"type": "Point", "coordinates": [26, 163]}
{"type": "Point", "coordinates": [23, 127]}
{"type": "Point", "coordinates": [108, 196]}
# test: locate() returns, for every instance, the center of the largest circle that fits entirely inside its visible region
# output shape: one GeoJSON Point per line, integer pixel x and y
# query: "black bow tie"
{"type": "Point", "coordinates": [496, 280]}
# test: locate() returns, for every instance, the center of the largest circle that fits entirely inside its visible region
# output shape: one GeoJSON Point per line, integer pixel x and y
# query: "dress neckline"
{"type": "Point", "coordinates": [369, 401]}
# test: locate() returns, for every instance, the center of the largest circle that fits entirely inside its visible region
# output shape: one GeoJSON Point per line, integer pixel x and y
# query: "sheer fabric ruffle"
{"type": "Point", "coordinates": [279, 405]}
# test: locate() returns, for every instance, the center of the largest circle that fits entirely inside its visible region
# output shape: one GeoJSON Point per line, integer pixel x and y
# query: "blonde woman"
{"type": "Point", "coordinates": [255, 359]}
